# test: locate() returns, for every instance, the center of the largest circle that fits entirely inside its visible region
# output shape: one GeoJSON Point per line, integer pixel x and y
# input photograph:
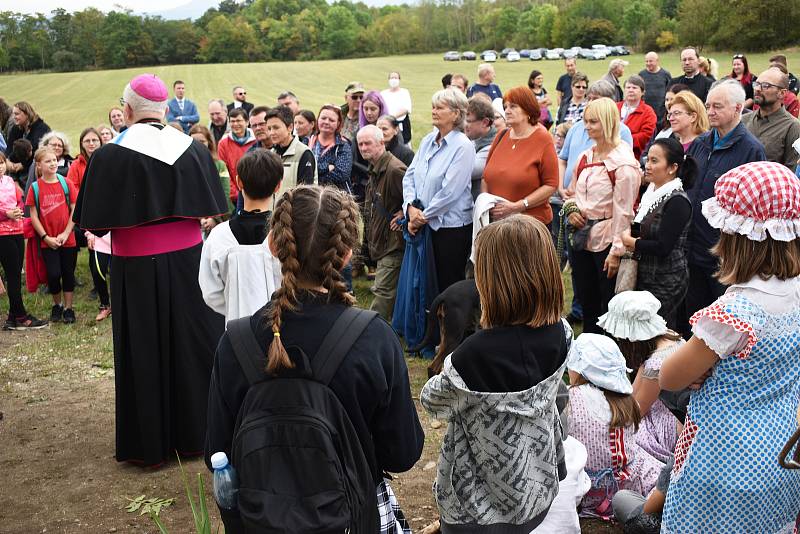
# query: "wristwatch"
{"type": "Point", "coordinates": [525, 202]}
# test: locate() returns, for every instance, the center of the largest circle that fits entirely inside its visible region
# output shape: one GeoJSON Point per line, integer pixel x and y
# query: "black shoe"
{"type": "Point", "coordinates": [93, 294]}
{"type": "Point", "coordinates": [28, 322]}
{"type": "Point", "coordinates": [69, 316]}
{"type": "Point", "coordinates": [56, 313]}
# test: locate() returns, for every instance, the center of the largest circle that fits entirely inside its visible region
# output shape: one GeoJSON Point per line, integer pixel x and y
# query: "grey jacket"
{"type": "Point", "coordinates": [482, 146]}
{"type": "Point", "coordinates": [498, 467]}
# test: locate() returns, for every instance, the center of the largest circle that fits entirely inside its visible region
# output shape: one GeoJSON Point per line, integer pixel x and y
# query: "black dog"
{"type": "Point", "coordinates": [457, 310]}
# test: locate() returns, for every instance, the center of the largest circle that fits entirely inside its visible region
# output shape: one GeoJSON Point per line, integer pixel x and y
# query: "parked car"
{"type": "Point", "coordinates": [569, 54]}
{"type": "Point", "coordinates": [489, 55]}
{"type": "Point", "coordinates": [512, 55]}
{"type": "Point", "coordinates": [469, 55]}
{"type": "Point", "coordinates": [593, 54]}
{"type": "Point", "coordinates": [505, 51]}
{"type": "Point", "coordinates": [553, 53]}
{"type": "Point", "coordinates": [525, 52]}
{"type": "Point", "coordinates": [621, 50]}
{"type": "Point", "coordinates": [598, 46]}
{"type": "Point", "coordinates": [452, 55]}
{"type": "Point", "coordinates": [535, 55]}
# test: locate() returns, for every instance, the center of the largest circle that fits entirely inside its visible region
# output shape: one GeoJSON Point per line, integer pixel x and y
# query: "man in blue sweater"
{"type": "Point", "coordinates": [726, 146]}
{"type": "Point", "coordinates": [180, 109]}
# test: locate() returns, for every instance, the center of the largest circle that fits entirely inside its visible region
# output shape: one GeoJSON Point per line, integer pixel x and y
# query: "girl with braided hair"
{"type": "Point", "coordinates": [314, 231]}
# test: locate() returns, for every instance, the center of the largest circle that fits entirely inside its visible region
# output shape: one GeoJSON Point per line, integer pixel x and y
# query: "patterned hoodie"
{"type": "Point", "coordinates": [502, 456]}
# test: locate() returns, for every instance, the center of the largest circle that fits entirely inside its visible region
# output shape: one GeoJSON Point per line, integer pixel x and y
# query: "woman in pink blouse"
{"type": "Point", "coordinates": [605, 189]}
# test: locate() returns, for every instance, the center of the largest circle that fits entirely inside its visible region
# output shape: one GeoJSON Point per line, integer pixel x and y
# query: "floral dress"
{"type": "Point", "coordinates": [614, 460]}
{"type": "Point", "coordinates": [726, 476]}
{"type": "Point", "coordinates": [658, 430]}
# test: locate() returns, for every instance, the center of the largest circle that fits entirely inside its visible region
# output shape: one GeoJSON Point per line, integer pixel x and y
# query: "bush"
{"type": "Point", "coordinates": [666, 40]}
{"type": "Point", "coordinates": [66, 61]}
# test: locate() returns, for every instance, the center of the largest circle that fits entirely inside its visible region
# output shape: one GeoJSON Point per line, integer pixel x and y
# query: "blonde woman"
{"type": "Point", "coordinates": [598, 215]}
{"type": "Point", "coordinates": [687, 117]}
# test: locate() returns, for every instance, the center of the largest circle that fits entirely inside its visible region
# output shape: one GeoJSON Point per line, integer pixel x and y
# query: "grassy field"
{"type": "Point", "coordinates": [71, 101]}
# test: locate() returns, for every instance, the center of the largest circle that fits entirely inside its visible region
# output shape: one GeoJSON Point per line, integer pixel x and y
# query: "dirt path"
{"type": "Point", "coordinates": [57, 442]}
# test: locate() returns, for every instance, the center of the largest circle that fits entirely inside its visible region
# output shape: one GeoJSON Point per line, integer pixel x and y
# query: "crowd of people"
{"type": "Point", "coordinates": [674, 201]}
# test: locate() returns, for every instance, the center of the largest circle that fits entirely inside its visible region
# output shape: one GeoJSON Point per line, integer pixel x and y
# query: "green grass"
{"type": "Point", "coordinates": [72, 101]}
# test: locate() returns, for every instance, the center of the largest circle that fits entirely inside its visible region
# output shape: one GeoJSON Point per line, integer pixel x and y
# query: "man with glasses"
{"type": "Point", "coordinates": [240, 100]}
{"type": "Point", "coordinates": [353, 94]}
{"type": "Point", "coordinates": [771, 123]}
{"type": "Point", "coordinates": [692, 77]}
{"type": "Point", "coordinates": [656, 82]}
{"type": "Point", "coordinates": [481, 131]}
{"type": "Point", "coordinates": [233, 146]}
{"type": "Point", "coordinates": [727, 145]}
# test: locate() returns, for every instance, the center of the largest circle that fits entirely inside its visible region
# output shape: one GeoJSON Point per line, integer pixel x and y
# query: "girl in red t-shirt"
{"type": "Point", "coordinates": [51, 217]}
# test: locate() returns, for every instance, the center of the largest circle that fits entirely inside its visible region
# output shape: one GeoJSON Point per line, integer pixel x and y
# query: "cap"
{"type": "Point", "coordinates": [633, 315]}
{"type": "Point", "coordinates": [150, 86]}
{"type": "Point", "coordinates": [219, 460]}
{"type": "Point", "coordinates": [755, 199]}
{"type": "Point", "coordinates": [354, 87]}
{"type": "Point", "coordinates": [598, 359]}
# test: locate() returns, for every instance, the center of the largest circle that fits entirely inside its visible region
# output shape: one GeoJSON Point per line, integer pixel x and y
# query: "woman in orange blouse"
{"type": "Point", "coordinates": [522, 166]}
{"type": "Point", "coordinates": [605, 190]}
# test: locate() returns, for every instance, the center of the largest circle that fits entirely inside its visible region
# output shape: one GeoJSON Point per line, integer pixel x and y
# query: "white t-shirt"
{"type": "Point", "coordinates": [397, 100]}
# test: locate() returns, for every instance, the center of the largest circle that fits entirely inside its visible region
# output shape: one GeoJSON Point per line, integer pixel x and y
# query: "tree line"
{"type": "Point", "coordinates": [287, 30]}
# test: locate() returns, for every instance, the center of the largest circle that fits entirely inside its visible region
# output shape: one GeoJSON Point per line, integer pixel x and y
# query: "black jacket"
{"type": "Point", "coordinates": [247, 106]}
{"type": "Point", "coordinates": [372, 384]}
{"type": "Point", "coordinates": [400, 150]}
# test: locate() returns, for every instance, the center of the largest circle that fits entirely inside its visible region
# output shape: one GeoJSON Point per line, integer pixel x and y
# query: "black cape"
{"type": "Point", "coordinates": [124, 188]}
{"type": "Point", "coordinates": [164, 334]}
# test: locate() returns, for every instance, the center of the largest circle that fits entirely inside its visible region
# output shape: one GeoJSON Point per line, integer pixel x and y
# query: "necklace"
{"type": "Point", "coordinates": [514, 140]}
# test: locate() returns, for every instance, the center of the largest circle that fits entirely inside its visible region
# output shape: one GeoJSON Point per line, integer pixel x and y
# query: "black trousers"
{"type": "Point", "coordinates": [593, 287]}
{"type": "Point", "coordinates": [12, 253]}
{"type": "Point", "coordinates": [98, 266]}
{"type": "Point", "coordinates": [451, 248]}
{"type": "Point", "coordinates": [704, 289]}
{"type": "Point", "coordinates": [60, 264]}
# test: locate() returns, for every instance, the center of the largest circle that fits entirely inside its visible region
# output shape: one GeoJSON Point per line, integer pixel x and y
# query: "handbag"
{"type": "Point", "coordinates": [626, 275]}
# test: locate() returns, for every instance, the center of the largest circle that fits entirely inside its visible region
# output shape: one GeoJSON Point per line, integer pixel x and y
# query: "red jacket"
{"type": "Point", "coordinates": [76, 171]}
{"type": "Point", "coordinates": [642, 123]}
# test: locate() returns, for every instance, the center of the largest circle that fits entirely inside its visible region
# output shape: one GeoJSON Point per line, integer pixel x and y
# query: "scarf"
{"type": "Point", "coordinates": [248, 136]}
{"type": "Point", "coordinates": [653, 197]}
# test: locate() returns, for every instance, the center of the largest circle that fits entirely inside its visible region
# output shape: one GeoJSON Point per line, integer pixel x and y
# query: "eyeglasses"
{"type": "Point", "coordinates": [766, 85]}
{"type": "Point", "coordinates": [356, 96]}
{"type": "Point", "coordinates": [242, 93]}
{"type": "Point", "coordinates": [584, 87]}
{"type": "Point", "coordinates": [255, 125]}
{"type": "Point", "coordinates": [738, 56]}
{"type": "Point", "coordinates": [676, 113]}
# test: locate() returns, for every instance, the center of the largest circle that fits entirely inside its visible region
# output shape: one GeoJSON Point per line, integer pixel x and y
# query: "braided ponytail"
{"type": "Point", "coordinates": [313, 230]}
{"type": "Point", "coordinates": [285, 296]}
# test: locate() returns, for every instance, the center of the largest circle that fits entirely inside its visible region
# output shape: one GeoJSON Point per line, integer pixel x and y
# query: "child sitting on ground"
{"type": "Point", "coordinates": [238, 273]}
{"type": "Point", "coordinates": [51, 201]}
{"type": "Point", "coordinates": [644, 340]}
{"type": "Point", "coordinates": [604, 416]}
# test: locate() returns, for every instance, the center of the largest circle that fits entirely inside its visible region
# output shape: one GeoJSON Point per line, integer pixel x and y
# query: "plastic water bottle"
{"type": "Point", "coordinates": [226, 485]}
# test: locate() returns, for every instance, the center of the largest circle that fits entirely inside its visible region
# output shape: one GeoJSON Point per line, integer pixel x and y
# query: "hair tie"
{"type": "Point", "coordinates": [276, 334]}
{"type": "Point", "coordinates": [684, 157]}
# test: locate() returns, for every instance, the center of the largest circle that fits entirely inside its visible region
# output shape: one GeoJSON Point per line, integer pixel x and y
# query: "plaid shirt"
{"type": "Point", "coordinates": [393, 521]}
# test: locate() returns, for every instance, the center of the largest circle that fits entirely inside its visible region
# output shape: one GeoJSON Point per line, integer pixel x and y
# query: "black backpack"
{"type": "Point", "coordinates": [300, 463]}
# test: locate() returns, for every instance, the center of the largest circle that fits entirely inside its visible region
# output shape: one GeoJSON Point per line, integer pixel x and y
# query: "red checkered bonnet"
{"type": "Point", "coordinates": [755, 199]}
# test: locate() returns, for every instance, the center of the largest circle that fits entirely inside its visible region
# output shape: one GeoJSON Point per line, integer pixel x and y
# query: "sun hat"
{"type": "Point", "coordinates": [633, 315]}
{"type": "Point", "coordinates": [598, 359]}
{"type": "Point", "coordinates": [150, 86]}
{"type": "Point", "coordinates": [754, 199]}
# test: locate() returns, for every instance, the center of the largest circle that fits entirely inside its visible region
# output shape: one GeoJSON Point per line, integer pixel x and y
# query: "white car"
{"type": "Point", "coordinates": [512, 56]}
{"type": "Point", "coordinates": [553, 53]}
{"type": "Point", "coordinates": [489, 57]}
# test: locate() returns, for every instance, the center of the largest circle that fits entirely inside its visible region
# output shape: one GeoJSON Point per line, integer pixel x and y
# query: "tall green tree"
{"type": "Point", "coordinates": [339, 33]}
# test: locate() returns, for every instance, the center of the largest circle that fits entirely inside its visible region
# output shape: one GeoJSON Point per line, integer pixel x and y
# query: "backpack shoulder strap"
{"type": "Point", "coordinates": [65, 188]}
{"type": "Point", "coordinates": [35, 188]}
{"type": "Point", "coordinates": [248, 352]}
{"type": "Point", "coordinates": [338, 342]}
{"type": "Point", "coordinates": [612, 175]}
{"type": "Point", "coordinates": [582, 164]}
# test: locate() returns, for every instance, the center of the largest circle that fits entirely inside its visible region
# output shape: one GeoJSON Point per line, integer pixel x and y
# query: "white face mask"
{"type": "Point", "coordinates": [394, 83]}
